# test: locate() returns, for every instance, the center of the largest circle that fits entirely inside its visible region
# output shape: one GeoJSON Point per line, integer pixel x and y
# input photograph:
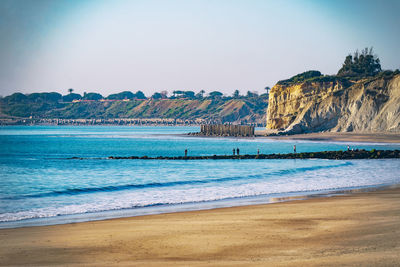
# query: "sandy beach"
{"type": "Point", "coordinates": [356, 229]}
{"type": "Point", "coordinates": [341, 137]}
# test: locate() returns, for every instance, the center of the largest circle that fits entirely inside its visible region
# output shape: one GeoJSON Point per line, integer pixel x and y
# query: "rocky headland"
{"type": "Point", "coordinates": [336, 104]}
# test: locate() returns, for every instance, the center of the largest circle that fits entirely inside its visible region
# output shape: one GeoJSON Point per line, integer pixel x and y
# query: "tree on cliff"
{"type": "Point", "coordinates": [156, 96]}
{"type": "Point", "coordinates": [188, 94]}
{"type": "Point", "coordinates": [44, 97]}
{"type": "Point", "coordinates": [215, 95]}
{"type": "Point", "coordinates": [16, 98]}
{"type": "Point", "coordinates": [70, 97]}
{"type": "Point", "coordinates": [252, 94]}
{"type": "Point", "coordinates": [127, 95]}
{"type": "Point", "coordinates": [92, 96]}
{"type": "Point", "coordinates": [200, 95]}
{"type": "Point", "coordinates": [122, 95]}
{"type": "Point", "coordinates": [361, 64]}
{"type": "Point", "coordinates": [140, 95]}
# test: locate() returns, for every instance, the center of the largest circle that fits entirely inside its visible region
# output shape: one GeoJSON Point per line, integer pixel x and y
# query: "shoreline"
{"type": "Point", "coordinates": [353, 229]}
{"type": "Point", "coordinates": [265, 199]}
{"type": "Point", "coordinates": [340, 137]}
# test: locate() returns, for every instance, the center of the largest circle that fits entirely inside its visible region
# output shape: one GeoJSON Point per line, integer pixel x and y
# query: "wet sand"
{"type": "Point", "coordinates": [342, 137]}
{"type": "Point", "coordinates": [360, 229]}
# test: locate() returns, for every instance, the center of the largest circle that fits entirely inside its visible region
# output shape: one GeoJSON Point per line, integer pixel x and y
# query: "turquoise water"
{"type": "Point", "coordinates": [39, 183]}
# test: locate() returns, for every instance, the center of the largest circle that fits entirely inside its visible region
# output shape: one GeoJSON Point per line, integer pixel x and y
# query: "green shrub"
{"type": "Point", "coordinates": [301, 77]}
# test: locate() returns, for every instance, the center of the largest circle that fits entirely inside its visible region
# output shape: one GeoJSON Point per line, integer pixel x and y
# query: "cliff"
{"type": "Point", "coordinates": [336, 105]}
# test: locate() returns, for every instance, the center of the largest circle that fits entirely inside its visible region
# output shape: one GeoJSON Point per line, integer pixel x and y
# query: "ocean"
{"type": "Point", "coordinates": [40, 184]}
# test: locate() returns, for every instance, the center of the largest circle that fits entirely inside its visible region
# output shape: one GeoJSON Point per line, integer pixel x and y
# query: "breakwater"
{"type": "Point", "coordinates": [226, 130]}
{"type": "Point", "coordinates": [338, 155]}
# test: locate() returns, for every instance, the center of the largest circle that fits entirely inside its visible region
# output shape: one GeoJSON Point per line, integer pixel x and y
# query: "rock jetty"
{"type": "Point", "coordinates": [337, 155]}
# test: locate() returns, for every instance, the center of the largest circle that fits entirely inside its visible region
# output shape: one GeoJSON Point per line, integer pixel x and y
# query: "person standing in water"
{"type": "Point", "coordinates": [258, 152]}
{"type": "Point", "coordinates": [185, 153]}
{"type": "Point", "coordinates": [237, 151]}
{"type": "Point", "coordinates": [233, 151]}
{"type": "Point", "coordinates": [294, 149]}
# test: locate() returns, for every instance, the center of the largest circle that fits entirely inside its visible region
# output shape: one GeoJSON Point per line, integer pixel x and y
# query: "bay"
{"type": "Point", "coordinates": [39, 184]}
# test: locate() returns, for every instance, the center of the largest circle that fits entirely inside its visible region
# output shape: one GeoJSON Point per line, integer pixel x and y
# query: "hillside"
{"type": "Point", "coordinates": [219, 110]}
{"type": "Point", "coordinates": [335, 104]}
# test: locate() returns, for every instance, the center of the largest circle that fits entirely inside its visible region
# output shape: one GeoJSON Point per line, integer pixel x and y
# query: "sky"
{"type": "Point", "coordinates": [154, 45]}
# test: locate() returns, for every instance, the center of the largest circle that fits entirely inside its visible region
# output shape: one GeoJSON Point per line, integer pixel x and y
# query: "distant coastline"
{"type": "Point", "coordinates": [52, 108]}
{"type": "Point", "coordinates": [114, 121]}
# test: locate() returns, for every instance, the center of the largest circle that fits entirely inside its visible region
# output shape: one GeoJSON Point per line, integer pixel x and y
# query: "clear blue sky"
{"type": "Point", "coordinates": [153, 45]}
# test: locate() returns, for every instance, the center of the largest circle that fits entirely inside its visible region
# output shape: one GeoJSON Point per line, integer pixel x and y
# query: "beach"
{"type": "Point", "coordinates": [354, 229]}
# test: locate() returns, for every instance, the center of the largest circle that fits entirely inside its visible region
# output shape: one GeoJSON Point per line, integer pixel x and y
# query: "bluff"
{"type": "Point", "coordinates": [335, 104]}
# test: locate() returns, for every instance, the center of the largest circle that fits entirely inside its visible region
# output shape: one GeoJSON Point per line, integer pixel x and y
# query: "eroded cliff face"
{"type": "Point", "coordinates": [370, 105]}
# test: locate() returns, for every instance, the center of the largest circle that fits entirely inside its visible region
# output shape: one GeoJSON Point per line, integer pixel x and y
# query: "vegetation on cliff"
{"type": "Point", "coordinates": [360, 65]}
{"type": "Point", "coordinates": [311, 74]}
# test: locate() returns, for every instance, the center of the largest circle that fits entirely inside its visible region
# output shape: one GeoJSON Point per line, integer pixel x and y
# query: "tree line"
{"type": "Point", "coordinates": [125, 95]}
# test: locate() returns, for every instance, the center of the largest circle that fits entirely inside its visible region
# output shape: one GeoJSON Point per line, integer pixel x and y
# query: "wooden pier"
{"type": "Point", "coordinates": [227, 130]}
